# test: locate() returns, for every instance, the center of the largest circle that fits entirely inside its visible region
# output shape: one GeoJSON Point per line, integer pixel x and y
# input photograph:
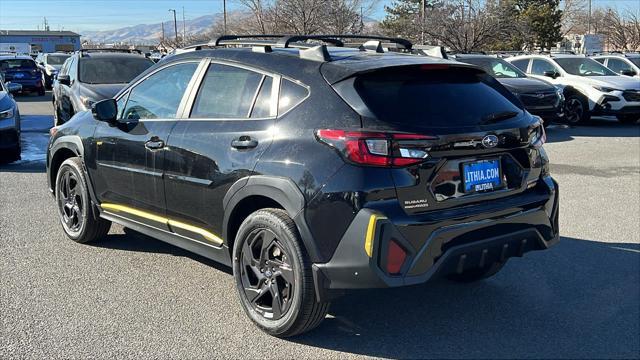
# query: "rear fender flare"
{"type": "Point", "coordinates": [281, 190]}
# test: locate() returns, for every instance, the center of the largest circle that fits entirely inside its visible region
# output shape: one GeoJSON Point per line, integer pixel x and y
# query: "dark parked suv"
{"type": "Point", "coordinates": [312, 169]}
{"type": "Point", "coordinates": [93, 75]}
{"type": "Point", "coordinates": [538, 96]}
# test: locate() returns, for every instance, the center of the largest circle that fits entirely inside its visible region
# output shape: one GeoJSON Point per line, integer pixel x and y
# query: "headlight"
{"type": "Point", "coordinates": [87, 102]}
{"type": "Point", "coordinates": [6, 114]}
{"type": "Point", "coordinates": [605, 88]}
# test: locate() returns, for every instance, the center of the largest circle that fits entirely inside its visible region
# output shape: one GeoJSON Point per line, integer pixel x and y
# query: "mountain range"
{"type": "Point", "coordinates": [150, 33]}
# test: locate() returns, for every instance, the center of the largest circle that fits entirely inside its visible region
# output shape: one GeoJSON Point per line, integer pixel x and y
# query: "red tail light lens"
{"type": "Point", "coordinates": [378, 148]}
{"type": "Point", "coordinates": [395, 257]}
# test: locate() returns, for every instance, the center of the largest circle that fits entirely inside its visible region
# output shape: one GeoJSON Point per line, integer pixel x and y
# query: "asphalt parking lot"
{"type": "Point", "coordinates": [132, 296]}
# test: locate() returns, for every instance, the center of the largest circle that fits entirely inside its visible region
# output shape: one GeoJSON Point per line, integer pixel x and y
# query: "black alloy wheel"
{"type": "Point", "coordinates": [70, 202]}
{"type": "Point", "coordinates": [273, 275]}
{"type": "Point", "coordinates": [267, 274]}
{"type": "Point", "coordinates": [77, 216]}
{"type": "Point", "coordinates": [576, 110]}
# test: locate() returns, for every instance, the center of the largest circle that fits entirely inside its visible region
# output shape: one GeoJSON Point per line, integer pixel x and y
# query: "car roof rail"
{"type": "Point", "coordinates": [266, 42]}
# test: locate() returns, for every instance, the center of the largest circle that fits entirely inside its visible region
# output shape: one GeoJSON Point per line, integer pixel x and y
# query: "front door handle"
{"type": "Point", "coordinates": [244, 142]}
{"type": "Point", "coordinates": [154, 143]}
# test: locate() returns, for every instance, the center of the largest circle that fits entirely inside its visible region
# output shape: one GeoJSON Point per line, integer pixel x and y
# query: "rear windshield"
{"type": "Point", "coordinates": [56, 59]}
{"type": "Point", "coordinates": [117, 70]}
{"type": "Point", "coordinates": [447, 97]}
{"type": "Point", "coordinates": [17, 64]}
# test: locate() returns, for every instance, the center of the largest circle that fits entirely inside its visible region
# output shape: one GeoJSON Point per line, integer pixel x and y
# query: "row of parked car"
{"type": "Point", "coordinates": [557, 87]}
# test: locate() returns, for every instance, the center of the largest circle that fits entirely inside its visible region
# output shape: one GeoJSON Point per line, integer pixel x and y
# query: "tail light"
{"type": "Point", "coordinates": [378, 148]}
{"type": "Point", "coordinates": [396, 256]}
{"type": "Point", "coordinates": [538, 136]}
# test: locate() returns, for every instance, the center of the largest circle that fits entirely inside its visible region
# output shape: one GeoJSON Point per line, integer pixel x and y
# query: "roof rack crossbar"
{"type": "Point", "coordinates": [336, 39]}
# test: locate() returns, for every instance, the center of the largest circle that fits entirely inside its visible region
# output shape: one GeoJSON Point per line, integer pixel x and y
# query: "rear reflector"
{"type": "Point", "coordinates": [395, 257]}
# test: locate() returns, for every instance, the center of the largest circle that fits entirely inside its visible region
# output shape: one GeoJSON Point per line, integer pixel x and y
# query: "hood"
{"type": "Point", "coordinates": [97, 92]}
{"type": "Point", "coordinates": [618, 82]}
{"type": "Point", "coordinates": [525, 85]}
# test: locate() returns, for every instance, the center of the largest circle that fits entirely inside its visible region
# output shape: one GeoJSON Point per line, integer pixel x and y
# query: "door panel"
{"type": "Point", "coordinates": [130, 155]}
{"type": "Point", "coordinates": [219, 144]}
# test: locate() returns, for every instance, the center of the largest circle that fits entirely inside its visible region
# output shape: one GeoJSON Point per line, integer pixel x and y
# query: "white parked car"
{"type": "Point", "coordinates": [622, 63]}
{"type": "Point", "coordinates": [590, 87]}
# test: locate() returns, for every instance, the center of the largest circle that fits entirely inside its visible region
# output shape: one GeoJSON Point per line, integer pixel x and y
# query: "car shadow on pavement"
{"type": "Point", "coordinates": [598, 127]}
{"type": "Point", "coordinates": [132, 240]}
{"type": "Point", "coordinates": [24, 167]}
{"type": "Point", "coordinates": [47, 97]}
{"type": "Point", "coordinates": [578, 299]}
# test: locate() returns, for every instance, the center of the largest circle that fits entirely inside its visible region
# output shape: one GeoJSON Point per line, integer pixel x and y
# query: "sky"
{"type": "Point", "coordinates": [90, 15]}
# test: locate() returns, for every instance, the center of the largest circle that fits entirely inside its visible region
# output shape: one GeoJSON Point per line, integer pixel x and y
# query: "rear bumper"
{"type": "Point", "coordinates": [29, 84]}
{"type": "Point", "coordinates": [458, 245]}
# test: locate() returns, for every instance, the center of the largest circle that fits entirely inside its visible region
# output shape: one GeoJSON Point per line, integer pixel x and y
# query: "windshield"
{"type": "Point", "coordinates": [116, 70]}
{"type": "Point", "coordinates": [583, 67]}
{"type": "Point", "coordinates": [17, 64]}
{"type": "Point", "coordinates": [56, 59]}
{"type": "Point", "coordinates": [447, 97]}
{"type": "Point", "coordinates": [497, 68]}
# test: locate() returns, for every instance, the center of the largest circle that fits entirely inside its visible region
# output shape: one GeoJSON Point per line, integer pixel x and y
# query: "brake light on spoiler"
{"type": "Point", "coordinates": [374, 148]}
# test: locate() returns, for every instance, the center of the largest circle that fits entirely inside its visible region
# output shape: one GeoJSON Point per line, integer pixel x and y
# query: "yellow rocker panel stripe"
{"type": "Point", "coordinates": [172, 223]}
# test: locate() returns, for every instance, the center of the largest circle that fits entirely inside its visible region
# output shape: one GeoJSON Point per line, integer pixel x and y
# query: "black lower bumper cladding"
{"type": "Point", "coordinates": [450, 249]}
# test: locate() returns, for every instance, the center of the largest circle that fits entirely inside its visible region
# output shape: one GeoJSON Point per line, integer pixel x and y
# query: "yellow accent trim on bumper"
{"type": "Point", "coordinates": [371, 229]}
{"type": "Point", "coordinates": [171, 223]}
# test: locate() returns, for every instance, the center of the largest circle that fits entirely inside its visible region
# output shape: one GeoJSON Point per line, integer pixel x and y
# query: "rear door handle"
{"type": "Point", "coordinates": [244, 142]}
{"type": "Point", "coordinates": [154, 143]}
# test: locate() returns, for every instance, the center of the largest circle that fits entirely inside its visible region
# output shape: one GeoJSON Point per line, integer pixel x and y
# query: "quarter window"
{"type": "Point", "coordinates": [291, 94]}
{"type": "Point", "coordinates": [229, 92]}
{"type": "Point", "coordinates": [159, 95]}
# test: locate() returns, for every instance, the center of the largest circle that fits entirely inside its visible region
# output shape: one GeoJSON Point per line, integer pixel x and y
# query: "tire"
{"type": "Point", "coordinates": [476, 274]}
{"type": "Point", "coordinates": [11, 155]}
{"type": "Point", "coordinates": [576, 109]}
{"type": "Point", "coordinates": [628, 118]}
{"type": "Point", "coordinates": [76, 214]}
{"type": "Point", "coordinates": [268, 259]}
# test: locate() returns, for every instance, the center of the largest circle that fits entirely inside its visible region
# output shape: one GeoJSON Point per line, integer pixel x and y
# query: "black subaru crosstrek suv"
{"type": "Point", "coordinates": [311, 170]}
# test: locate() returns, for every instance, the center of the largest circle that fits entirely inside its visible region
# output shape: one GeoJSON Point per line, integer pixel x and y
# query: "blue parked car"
{"type": "Point", "coordinates": [21, 69]}
{"type": "Point", "coordinates": [9, 123]}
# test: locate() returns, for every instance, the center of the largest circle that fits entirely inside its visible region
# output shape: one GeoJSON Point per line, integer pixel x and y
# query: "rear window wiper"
{"type": "Point", "coordinates": [499, 116]}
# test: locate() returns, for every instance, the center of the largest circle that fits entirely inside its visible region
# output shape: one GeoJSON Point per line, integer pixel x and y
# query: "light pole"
{"type": "Point", "coordinates": [175, 23]}
{"type": "Point", "coordinates": [224, 15]}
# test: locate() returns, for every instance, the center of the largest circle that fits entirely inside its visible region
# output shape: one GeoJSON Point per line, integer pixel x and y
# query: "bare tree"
{"type": "Point", "coordinates": [464, 25]}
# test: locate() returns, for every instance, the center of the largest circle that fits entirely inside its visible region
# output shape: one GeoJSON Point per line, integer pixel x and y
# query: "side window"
{"type": "Point", "coordinates": [538, 67]}
{"type": "Point", "coordinates": [521, 64]}
{"type": "Point", "coordinates": [121, 104]}
{"type": "Point", "coordinates": [65, 66]}
{"type": "Point", "coordinates": [618, 65]}
{"type": "Point", "coordinates": [499, 68]}
{"type": "Point", "coordinates": [228, 92]}
{"type": "Point", "coordinates": [73, 69]}
{"type": "Point", "coordinates": [262, 108]}
{"type": "Point", "coordinates": [291, 94]}
{"type": "Point", "coordinates": [159, 95]}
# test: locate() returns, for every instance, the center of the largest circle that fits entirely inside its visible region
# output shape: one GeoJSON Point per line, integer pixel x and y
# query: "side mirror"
{"type": "Point", "coordinates": [105, 110]}
{"type": "Point", "coordinates": [14, 88]}
{"type": "Point", "coordinates": [550, 73]}
{"type": "Point", "coordinates": [41, 63]}
{"type": "Point", "coordinates": [64, 80]}
{"type": "Point", "coordinates": [628, 72]}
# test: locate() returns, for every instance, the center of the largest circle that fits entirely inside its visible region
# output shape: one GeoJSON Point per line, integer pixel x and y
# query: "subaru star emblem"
{"type": "Point", "coordinates": [490, 141]}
